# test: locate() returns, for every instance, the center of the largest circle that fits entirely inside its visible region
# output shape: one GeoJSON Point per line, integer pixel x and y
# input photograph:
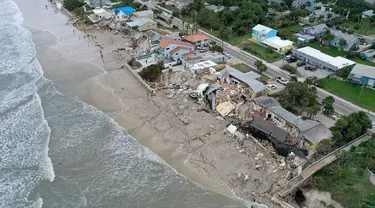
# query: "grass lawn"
{"type": "Point", "coordinates": [363, 28]}
{"type": "Point", "coordinates": [334, 52]}
{"type": "Point", "coordinates": [288, 32]}
{"type": "Point", "coordinates": [245, 68]}
{"type": "Point", "coordinates": [236, 40]}
{"type": "Point", "coordinates": [172, 8]}
{"type": "Point", "coordinates": [350, 92]}
{"type": "Point", "coordinates": [261, 52]}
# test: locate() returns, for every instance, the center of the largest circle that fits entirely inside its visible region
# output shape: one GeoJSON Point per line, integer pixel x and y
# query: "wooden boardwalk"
{"type": "Point", "coordinates": [313, 168]}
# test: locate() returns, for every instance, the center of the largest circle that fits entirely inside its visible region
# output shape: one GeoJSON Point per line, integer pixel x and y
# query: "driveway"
{"type": "Point", "coordinates": [279, 87]}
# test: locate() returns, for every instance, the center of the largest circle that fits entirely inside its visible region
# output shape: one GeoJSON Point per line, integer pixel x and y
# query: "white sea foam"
{"type": "Point", "coordinates": [24, 133]}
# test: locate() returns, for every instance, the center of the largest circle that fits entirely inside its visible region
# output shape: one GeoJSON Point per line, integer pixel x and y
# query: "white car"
{"type": "Point", "coordinates": [282, 80]}
{"type": "Point", "coordinates": [227, 55]}
{"type": "Point", "coordinates": [271, 87]}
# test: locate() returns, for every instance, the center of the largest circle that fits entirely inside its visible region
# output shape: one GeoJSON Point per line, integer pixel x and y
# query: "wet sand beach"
{"type": "Point", "coordinates": [74, 64]}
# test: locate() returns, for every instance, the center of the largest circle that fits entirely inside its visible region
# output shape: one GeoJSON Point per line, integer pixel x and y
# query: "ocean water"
{"type": "Point", "coordinates": [56, 151]}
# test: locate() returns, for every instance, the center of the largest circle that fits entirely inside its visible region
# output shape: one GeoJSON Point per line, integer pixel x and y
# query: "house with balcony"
{"type": "Point", "coordinates": [261, 32]}
{"type": "Point", "coordinates": [175, 50]}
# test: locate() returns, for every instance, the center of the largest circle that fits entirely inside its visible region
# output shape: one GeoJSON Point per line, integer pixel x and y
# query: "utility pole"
{"type": "Point", "coordinates": [101, 3]}
{"type": "Point", "coordinates": [363, 87]}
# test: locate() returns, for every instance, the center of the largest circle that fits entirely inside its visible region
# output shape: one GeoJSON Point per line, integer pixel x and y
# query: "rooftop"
{"type": "Point", "coordinates": [350, 39]}
{"type": "Point", "coordinates": [248, 78]}
{"type": "Point", "coordinates": [265, 101]}
{"type": "Point", "coordinates": [178, 48]}
{"type": "Point", "coordinates": [286, 115]}
{"type": "Point", "coordinates": [126, 10]}
{"type": "Point", "coordinates": [195, 37]}
{"type": "Point", "coordinates": [276, 42]}
{"type": "Point", "coordinates": [144, 13]}
{"type": "Point", "coordinates": [338, 61]}
{"type": "Point", "coordinates": [317, 134]}
{"type": "Point", "coordinates": [369, 13]}
{"type": "Point", "coordinates": [270, 128]}
{"type": "Point", "coordinates": [364, 70]}
{"type": "Point", "coordinates": [203, 65]}
{"type": "Point", "coordinates": [139, 22]}
{"type": "Point", "coordinates": [305, 36]}
{"type": "Point", "coordinates": [99, 11]}
{"type": "Point", "coordinates": [262, 28]}
{"type": "Point", "coordinates": [166, 41]}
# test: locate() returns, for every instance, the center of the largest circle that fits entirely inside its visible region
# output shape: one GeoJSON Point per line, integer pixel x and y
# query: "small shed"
{"type": "Point", "coordinates": [367, 55]}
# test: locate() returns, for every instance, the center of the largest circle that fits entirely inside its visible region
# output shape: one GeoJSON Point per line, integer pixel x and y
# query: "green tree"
{"type": "Point", "coordinates": [288, 3]}
{"type": "Point", "coordinates": [312, 111]}
{"type": "Point", "coordinates": [300, 94]}
{"type": "Point", "coordinates": [72, 4]}
{"type": "Point", "coordinates": [328, 105]}
{"type": "Point", "coordinates": [350, 127]}
{"type": "Point", "coordinates": [327, 37]}
{"type": "Point", "coordinates": [152, 73]}
{"type": "Point", "coordinates": [224, 33]}
{"type": "Point", "coordinates": [342, 43]}
{"type": "Point", "coordinates": [344, 72]}
{"type": "Point", "coordinates": [260, 66]}
{"type": "Point", "coordinates": [324, 147]}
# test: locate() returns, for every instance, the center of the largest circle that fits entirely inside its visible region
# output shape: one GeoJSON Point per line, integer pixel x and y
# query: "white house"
{"type": "Point", "coordinates": [167, 46]}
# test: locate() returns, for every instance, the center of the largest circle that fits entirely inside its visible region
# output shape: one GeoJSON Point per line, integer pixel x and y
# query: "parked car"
{"type": "Point", "coordinates": [312, 78]}
{"type": "Point", "coordinates": [291, 59]}
{"type": "Point", "coordinates": [287, 57]}
{"type": "Point", "coordinates": [271, 87]}
{"type": "Point", "coordinates": [227, 55]}
{"type": "Point", "coordinates": [301, 63]}
{"type": "Point", "coordinates": [203, 50]}
{"type": "Point", "coordinates": [311, 68]}
{"type": "Point", "coordinates": [282, 80]}
{"type": "Point", "coordinates": [265, 82]}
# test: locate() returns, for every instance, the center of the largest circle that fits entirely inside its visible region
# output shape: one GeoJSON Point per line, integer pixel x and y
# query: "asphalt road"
{"type": "Point", "coordinates": [340, 106]}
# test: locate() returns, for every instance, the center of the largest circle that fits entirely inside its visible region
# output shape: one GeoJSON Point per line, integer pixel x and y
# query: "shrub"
{"type": "Point", "coordinates": [72, 4]}
{"type": "Point", "coordinates": [152, 73]}
{"type": "Point", "coordinates": [289, 68]}
{"type": "Point", "coordinates": [217, 48]}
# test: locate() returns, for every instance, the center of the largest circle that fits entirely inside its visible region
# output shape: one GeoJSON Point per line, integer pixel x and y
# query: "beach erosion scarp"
{"type": "Point", "coordinates": [74, 64]}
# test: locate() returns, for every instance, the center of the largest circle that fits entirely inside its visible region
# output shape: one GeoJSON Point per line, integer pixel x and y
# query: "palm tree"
{"type": "Point", "coordinates": [342, 43]}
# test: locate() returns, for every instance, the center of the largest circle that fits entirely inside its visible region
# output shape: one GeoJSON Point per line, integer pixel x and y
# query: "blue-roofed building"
{"type": "Point", "coordinates": [124, 12]}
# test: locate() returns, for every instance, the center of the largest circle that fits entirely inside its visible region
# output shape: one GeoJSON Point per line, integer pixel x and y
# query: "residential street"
{"type": "Point", "coordinates": [341, 106]}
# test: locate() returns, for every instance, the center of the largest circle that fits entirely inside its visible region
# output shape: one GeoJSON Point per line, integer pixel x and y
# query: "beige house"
{"type": "Point", "coordinates": [142, 24]}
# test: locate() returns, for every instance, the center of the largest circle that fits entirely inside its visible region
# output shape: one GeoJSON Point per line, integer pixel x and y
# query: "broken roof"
{"type": "Point", "coordinates": [317, 134]}
{"type": "Point", "coordinates": [286, 115]}
{"type": "Point", "coordinates": [270, 128]}
{"type": "Point", "coordinates": [265, 101]}
{"type": "Point", "coordinates": [166, 41]}
{"type": "Point", "coordinates": [248, 78]}
{"type": "Point", "coordinates": [139, 22]}
{"type": "Point", "coordinates": [195, 37]}
{"type": "Point", "coordinates": [225, 108]}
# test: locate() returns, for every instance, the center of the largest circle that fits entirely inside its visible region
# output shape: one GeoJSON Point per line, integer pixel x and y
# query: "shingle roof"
{"type": "Point", "coordinates": [166, 41]}
{"type": "Point", "coordinates": [317, 29]}
{"type": "Point", "coordinates": [364, 70]}
{"type": "Point", "coordinates": [195, 38]}
{"type": "Point", "coordinates": [350, 39]}
{"type": "Point", "coordinates": [286, 115]}
{"type": "Point", "coordinates": [317, 134]}
{"type": "Point", "coordinates": [270, 128]}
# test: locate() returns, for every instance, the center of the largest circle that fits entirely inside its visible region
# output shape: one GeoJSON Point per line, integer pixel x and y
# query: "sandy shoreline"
{"type": "Point", "coordinates": [199, 150]}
